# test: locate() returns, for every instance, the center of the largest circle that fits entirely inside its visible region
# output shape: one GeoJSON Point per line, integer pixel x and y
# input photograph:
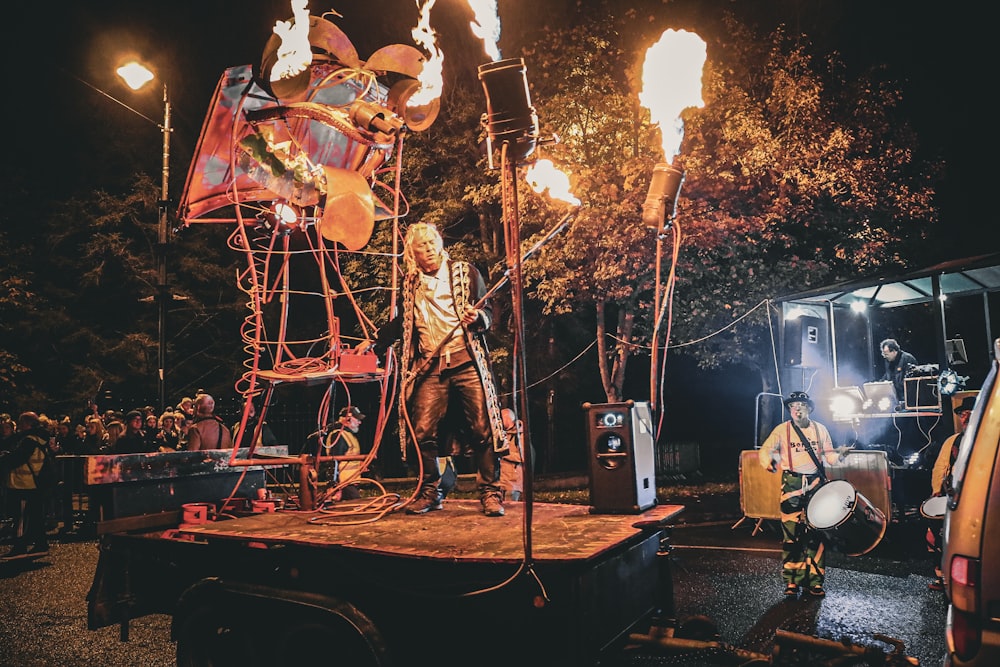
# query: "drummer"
{"type": "Point", "coordinates": [800, 448]}
{"type": "Point", "coordinates": [941, 484]}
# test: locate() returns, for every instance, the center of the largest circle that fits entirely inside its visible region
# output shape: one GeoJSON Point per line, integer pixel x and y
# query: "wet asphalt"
{"type": "Point", "coordinates": [727, 589]}
{"type": "Point", "coordinates": [732, 578]}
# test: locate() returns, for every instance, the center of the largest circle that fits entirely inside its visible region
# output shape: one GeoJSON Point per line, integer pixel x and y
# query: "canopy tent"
{"type": "Point", "coordinates": [973, 275]}
{"type": "Point", "coordinates": [934, 287]}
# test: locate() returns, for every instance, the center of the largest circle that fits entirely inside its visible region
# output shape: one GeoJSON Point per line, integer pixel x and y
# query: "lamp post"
{"type": "Point", "coordinates": [136, 76]}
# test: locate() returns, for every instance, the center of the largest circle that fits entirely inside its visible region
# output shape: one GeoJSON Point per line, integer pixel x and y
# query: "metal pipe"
{"type": "Point", "coordinates": [163, 292]}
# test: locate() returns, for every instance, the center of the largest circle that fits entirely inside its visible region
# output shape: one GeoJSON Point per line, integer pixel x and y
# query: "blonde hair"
{"type": "Point", "coordinates": [114, 431]}
{"type": "Point", "coordinates": [94, 419]}
{"type": "Point", "coordinates": [420, 231]}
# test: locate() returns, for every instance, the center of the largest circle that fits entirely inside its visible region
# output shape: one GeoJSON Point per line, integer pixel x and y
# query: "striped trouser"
{"type": "Point", "coordinates": [802, 552]}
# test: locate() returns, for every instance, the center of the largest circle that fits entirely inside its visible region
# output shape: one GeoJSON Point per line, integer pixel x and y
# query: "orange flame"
{"type": "Point", "coordinates": [294, 54]}
{"type": "Point", "coordinates": [486, 26]}
{"type": "Point", "coordinates": [671, 80]}
{"type": "Point", "coordinates": [431, 78]}
{"type": "Point", "coordinates": [543, 175]}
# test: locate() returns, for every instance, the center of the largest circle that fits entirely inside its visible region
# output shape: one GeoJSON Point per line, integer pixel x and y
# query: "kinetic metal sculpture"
{"type": "Point", "coordinates": [302, 157]}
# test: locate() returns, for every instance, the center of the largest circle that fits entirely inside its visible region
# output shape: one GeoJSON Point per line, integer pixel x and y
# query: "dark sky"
{"type": "Point", "coordinates": [934, 50]}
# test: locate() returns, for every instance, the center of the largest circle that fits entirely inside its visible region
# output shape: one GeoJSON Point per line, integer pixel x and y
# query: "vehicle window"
{"type": "Point", "coordinates": [965, 448]}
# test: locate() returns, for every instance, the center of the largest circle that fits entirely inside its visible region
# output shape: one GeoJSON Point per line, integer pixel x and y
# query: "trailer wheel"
{"type": "Point", "coordinates": [242, 632]}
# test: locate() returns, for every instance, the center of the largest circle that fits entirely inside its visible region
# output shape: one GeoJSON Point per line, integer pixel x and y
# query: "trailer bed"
{"type": "Point", "coordinates": [460, 532]}
{"type": "Point", "coordinates": [573, 587]}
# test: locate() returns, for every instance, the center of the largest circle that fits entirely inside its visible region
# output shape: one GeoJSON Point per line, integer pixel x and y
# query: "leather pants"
{"type": "Point", "coordinates": [427, 406]}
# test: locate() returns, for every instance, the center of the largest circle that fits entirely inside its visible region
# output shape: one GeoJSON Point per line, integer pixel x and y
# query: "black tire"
{"type": "Point", "coordinates": [243, 632]}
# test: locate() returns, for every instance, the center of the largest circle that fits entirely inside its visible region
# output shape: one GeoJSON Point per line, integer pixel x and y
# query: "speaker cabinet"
{"type": "Point", "coordinates": [921, 393]}
{"type": "Point", "coordinates": [805, 342]}
{"type": "Point", "coordinates": [620, 451]}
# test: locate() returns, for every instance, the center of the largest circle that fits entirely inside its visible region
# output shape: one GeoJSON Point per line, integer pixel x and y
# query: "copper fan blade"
{"type": "Point", "coordinates": [349, 211]}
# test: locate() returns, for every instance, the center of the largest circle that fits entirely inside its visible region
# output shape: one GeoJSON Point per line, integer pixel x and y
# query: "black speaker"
{"type": "Point", "coordinates": [620, 450]}
{"type": "Point", "coordinates": [921, 393]}
{"type": "Point", "coordinates": [805, 342]}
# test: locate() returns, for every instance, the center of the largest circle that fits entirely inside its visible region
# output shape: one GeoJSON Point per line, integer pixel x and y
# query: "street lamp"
{"type": "Point", "coordinates": [136, 76]}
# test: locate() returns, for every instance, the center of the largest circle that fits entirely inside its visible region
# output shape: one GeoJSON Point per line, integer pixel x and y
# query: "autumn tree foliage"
{"type": "Point", "coordinates": [798, 173]}
{"type": "Point", "coordinates": [603, 263]}
{"type": "Point", "coordinates": [79, 304]}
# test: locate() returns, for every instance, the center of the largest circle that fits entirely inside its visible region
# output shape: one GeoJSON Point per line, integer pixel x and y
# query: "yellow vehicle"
{"type": "Point", "coordinates": [972, 535]}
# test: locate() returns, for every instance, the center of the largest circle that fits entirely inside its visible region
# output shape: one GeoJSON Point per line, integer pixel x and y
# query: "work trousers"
{"type": "Point", "coordinates": [803, 557]}
{"type": "Point", "coordinates": [28, 511]}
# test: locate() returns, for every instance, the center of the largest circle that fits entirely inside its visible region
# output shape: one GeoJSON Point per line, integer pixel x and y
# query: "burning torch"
{"type": "Point", "coordinates": [661, 200]}
{"type": "Point", "coordinates": [671, 83]}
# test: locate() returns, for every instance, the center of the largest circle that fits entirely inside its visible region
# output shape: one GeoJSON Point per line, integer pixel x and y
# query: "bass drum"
{"type": "Point", "coordinates": [847, 520]}
{"type": "Point", "coordinates": [934, 507]}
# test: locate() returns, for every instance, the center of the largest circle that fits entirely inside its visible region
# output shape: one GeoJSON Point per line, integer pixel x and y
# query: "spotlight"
{"type": "Point", "coordinates": [279, 217]}
{"type": "Point", "coordinates": [509, 114]}
{"type": "Point", "coordinates": [880, 397]}
{"type": "Point", "coordinates": [949, 382]}
{"type": "Point", "coordinates": [845, 402]}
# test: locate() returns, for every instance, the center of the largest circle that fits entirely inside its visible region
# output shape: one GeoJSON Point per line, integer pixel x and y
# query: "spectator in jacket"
{"type": "Point", "coordinates": [114, 430]}
{"type": "Point", "coordinates": [29, 475]}
{"type": "Point", "coordinates": [133, 440]}
{"type": "Point", "coordinates": [168, 434]}
{"type": "Point", "coordinates": [96, 440]}
{"type": "Point", "coordinates": [343, 441]}
{"type": "Point", "coordinates": [264, 439]}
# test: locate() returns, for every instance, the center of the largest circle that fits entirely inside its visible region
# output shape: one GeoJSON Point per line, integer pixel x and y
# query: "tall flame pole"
{"type": "Point", "coordinates": [657, 214]}
{"type": "Point", "coordinates": [512, 124]}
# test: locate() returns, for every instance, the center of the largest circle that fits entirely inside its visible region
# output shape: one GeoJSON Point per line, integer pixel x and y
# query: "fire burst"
{"type": "Point", "coordinates": [671, 82]}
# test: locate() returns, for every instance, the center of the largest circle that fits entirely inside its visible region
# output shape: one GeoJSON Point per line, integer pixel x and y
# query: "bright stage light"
{"type": "Point", "coordinates": [949, 382]}
{"type": "Point", "coordinates": [845, 402]}
{"type": "Point", "coordinates": [280, 217]}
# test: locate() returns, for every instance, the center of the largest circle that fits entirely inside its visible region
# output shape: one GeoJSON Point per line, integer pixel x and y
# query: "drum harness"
{"type": "Point", "coordinates": [820, 470]}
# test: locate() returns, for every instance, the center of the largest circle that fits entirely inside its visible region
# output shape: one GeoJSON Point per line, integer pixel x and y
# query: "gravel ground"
{"type": "Point", "coordinates": [49, 626]}
{"type": "Point", "coordinates": [43, 603]}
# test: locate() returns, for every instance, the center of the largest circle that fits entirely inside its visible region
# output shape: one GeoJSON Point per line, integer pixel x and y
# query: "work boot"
{"type": "Point", "coordinates": [431, 498]}
{"type": "Point", "coordinates": [492, 503]}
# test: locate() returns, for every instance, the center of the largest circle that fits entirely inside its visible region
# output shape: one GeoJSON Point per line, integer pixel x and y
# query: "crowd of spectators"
{"type": "Point", "coordinates": [139, 430]}
{"type": "Point", "coordinates": [136, 431]}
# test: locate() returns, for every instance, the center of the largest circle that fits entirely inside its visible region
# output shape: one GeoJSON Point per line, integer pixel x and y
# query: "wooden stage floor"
{"type": "Point", "coordinates": [459, 532]}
